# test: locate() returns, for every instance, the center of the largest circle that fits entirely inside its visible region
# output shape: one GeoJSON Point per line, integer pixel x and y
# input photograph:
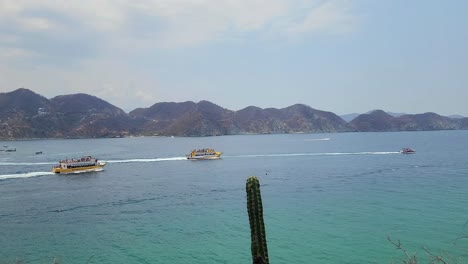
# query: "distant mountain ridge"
{"type": "Point", "coordinates": [205, 118]}
{"type": "Point", "coordinates": [379, 121]}
{"type": "Point", "coordinates": [350, 117]}
{"type": "Point", "coordinates": [25, 114]}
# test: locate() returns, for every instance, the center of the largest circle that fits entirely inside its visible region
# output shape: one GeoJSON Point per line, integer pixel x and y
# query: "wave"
{"type": "Point", "coordinates": [25, 175]}
{"type": "Point", "coordinates": [315, 154]}
{"type": "Point", "coordinates": [314, 139]}
{"type": "Point", "coordinates": [146, 160]}
{"type": "Point", "coordinates": [114, 203]}
{"type": "Point", "coordinates": [317, 139]}
{"type": "Point", "coordinates": [84, 171]}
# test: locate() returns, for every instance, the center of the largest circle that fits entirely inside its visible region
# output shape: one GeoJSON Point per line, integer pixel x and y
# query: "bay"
{"type": "Point", "coordinates": [328, 198]}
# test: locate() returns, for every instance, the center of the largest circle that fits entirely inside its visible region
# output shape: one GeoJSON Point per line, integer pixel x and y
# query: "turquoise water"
{"type": "Point", "coordinates": [328, 198]}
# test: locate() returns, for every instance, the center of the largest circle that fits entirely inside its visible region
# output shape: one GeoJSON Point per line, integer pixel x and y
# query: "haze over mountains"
{"type": "Point", "coordinates": [25, 114]}
{"type": "Point", "coordinates": [349, 117]}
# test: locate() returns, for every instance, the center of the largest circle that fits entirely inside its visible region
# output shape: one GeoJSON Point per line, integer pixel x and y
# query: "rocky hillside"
{"type": "Point", "coordinates": [25, 114]}
{"type": "Point", "coordinates": [207, 119]}
{"type": "Point", "coordinates": [20, 114]}
{"type": "Point", "coordinates": [293, 119]}
{"type": "Point", "coordinates": [375, 121]}
{"type": "Point", "coordinates": [378, 120]}
{"type": "Point", "coordinates": [185, 119]}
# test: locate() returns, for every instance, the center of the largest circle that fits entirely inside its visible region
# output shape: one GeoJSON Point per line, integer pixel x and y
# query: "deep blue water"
{"type": "Point", "coordinates": [328, 198]}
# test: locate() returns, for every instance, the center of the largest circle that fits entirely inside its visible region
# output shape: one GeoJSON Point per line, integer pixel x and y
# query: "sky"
{"type": "Point", "coordinates": [338, 55]}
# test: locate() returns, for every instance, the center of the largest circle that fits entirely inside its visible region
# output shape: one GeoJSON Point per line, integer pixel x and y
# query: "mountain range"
{"type": "Point", "coordinates": [349, 117]}
{"type": "Point", "coordinates": [25, 114]}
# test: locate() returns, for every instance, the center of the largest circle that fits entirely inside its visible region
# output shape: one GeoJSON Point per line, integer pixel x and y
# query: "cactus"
{"type": "Point", "coordinates": [257, 228]}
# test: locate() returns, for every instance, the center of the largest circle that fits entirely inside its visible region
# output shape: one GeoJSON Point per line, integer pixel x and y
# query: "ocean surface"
{"type": "Point", "coordinates": [328, 198]}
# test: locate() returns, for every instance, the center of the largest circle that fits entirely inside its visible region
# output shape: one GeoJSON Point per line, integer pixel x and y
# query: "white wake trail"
{"type": "Point", "coordinates": [315, 154]}
{"type": "Point", "coordinates": [25, 175]}
{"type": "Point", "coordinates": [146, 160]}
{"type": "Point", "coordinates": [312, 139]}
{"type": "Point", "coordinates": [317, 139]}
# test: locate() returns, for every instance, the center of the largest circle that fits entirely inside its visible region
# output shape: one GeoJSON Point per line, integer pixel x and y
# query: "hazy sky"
{"type": "Point", "coordinates": [339, 56]}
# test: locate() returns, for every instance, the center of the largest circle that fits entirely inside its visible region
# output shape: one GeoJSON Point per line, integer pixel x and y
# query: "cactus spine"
{"type": "Point", "coordinates": [257, 227]}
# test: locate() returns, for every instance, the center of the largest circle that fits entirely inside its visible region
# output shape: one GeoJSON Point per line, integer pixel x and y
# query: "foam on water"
{"type": "Point", "coordinates": [25, 175]}
{"type": "Point", "coordinates": [85, 171]}
{"type": "Point", "coordinates": [108, 161]}
{"type": "Point", "coordinates": [314, 139]}
{"type": "Point", "coordinates": [317, 139]}
{"type": "Point", "coordinates": [146, 160]}
{"type": "Point", "coordinates": [315, 154]}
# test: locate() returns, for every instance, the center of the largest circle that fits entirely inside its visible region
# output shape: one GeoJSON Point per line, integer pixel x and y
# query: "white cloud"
{"type": "Point", "coordinates": [8, 53]}
{"type": "Point", "coordinates": [10, 7]}
{"type": "Point", "coordinates": [181, 23]}
{"type": "Point", "coordinates": [188, 23]}
{"type": "Point", "coordinates": [36, 23]}
{"type": "Point", "coordinates": [85, 45]}
{"type": "Point", "coordinates": [331, 16]}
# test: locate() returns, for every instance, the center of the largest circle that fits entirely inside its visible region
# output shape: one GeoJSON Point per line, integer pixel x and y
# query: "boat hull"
{"type": "Point", "coordinates": [203, 157]}
{"type": "Point", "coordinates": [99, 167]}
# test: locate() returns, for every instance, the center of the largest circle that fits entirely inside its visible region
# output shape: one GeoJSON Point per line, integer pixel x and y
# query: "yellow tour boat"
{"type": "Point", "coordinates": [84, 164]}
{"type": "Point", "coordinates": [204, 154]}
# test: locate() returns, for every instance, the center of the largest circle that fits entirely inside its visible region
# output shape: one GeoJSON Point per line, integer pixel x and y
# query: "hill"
{"type": "Point", "coordinates": [378, 121]}
{"type": "Point", "coordinates": [25, 114]}
{"type": "Point", "coordinates": [208, 119]}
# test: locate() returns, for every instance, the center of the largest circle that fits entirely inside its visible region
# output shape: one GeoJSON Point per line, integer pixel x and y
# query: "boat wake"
{"type": "Point", "coordinates": [108, 161]}
{"type": "Point", "coordinates": [315, 154]}
{"type": "Point", "coordinates": [146, 160]}
{"type": "Point", "coordinates": [317, 139]}
{"type": "Point", "coordinates": [314, 139]}
{"type": "Point", "coordinates": [25, 163]}
{"type": "Point", "coordinates": [25, 175]}
{"type": "Point", "coordinates": [36, 174]}
{"type": "Point", "coordinates": [84, 171]}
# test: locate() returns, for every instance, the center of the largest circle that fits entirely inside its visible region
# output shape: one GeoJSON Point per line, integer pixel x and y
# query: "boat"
{"type": "Point", "coordinates": [204, 154]}
{"type": "Point", "coordinates": [407, 151]}
{"type": "Point", "coordinates": [84, 164]}
{"type": "Point", "coordinates": [10, 150]}
{"type": "Point", "coordinates": [38, 152]}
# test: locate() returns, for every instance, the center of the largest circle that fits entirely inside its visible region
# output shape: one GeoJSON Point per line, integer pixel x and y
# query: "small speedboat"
{"type": "Point", "coordinates": [407, 151]}
{"type": "Point", "coordinates": [38, 152]}
{"type": "Point", "coordinates": [204, 154]}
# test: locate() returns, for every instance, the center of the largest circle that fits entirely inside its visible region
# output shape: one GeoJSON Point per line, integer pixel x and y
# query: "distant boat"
{"type": "Point", "coordinates": [407, 151]}
{"type": "Point", "coordinates": [38, 152]}
{"type": "Point", "coordinates": [84, 164]}
{"type": "Point", "coordinates": [204, 154]}
{"type": "Point", "coordinates": [7, 149]}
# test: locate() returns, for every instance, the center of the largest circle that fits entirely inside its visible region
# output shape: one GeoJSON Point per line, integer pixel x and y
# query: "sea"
{"type": "Point", "coordinates": [327, 198]}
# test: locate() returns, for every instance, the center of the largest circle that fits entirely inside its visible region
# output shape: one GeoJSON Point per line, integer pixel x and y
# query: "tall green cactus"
{"type": "Point", "coordinates": [257, 228]}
